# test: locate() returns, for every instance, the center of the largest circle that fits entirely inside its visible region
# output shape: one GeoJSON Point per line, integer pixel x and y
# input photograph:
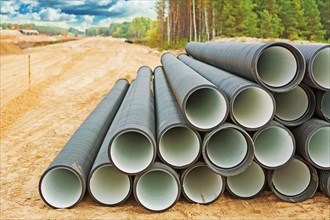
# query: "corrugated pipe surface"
{"type": "Point", "coordinates": [250, 105]}
{"type": "Point", "coordinates": [158, 188]}
{"type": "Point", "coordinates": [201, 185]}
{"type": "Point", "coordinates": [228, 150]}
{"type": "Point", "coordinates": [203, 105]}
{"type": "Point", "coordinates": [277, 66]}
{"type": "Point", "coordinates": [324, 177]}
{"type": "Point", "coordinates": [297, 181]}
{"type": "Point", "coordinates": [296, 106]}
{"type": "Point", "coordinates": [178, 145]}
{"type": "Point", "coordinates": [132, 144]}
{"type": "Point", "coordinates": [323, 104]}
{"type": "Point", "coordinates": [313, 138]}
{"type": "Point", "coordinates": [317, 58]}
{"type": "Point", "coordinates": [63, 184]}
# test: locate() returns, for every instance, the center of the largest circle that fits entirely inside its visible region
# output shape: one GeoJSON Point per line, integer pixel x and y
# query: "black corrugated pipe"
{"type": "Point", "coordinates": [158, 188]}
{"type": "Point", "coordinates": [323, 104]}
{"type": "Point", "coordinates": [296, 106]}
{"type": "Point", "coordinates": [132, 144]}
{"type": "Point", "coordinates": [312, 139]}
{"type": "Point", "coordinates": [228, 150]}
{"type": "Point", "coordinates": [250, 105]}
{"type": "Point", "coordinates": [297, 181]}
{"type": "Point", "coordinates": [63, 184]}
{"type": "Point", "coordinates": [201, 185]}
{"type": "Point", "coordinates": [274, 145]}
{"type": "Point", "coordinates": [324, 177]}
{"type": "Point", "coordinates": [178, 145]}
{"type": "Point", "coordinates": [248, 184]}
{"type": "Point", "coordinates": [317, 58]}
{"type": "Point", "coordinates": [277, 66]}
{"type": "Point", "coordinates": [202, 104]}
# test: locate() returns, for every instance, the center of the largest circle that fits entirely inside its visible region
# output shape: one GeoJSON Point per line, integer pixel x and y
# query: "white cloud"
{"type": "Point", "coordinates": [28, 17]}
{"type": "Point", "coordinates": [9, 7]}
{"type": "Point", "coordinates": [51, 14]}
{"type": "Point", "coordinates": [88, 18]}
{"type": "Point", "coordinates": [105, 22]}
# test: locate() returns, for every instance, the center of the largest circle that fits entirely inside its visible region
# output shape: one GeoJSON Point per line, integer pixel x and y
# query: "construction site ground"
{"type": "Point", "coordinates": [39, 115]}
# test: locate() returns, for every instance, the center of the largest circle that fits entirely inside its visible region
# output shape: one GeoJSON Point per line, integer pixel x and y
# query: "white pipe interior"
{"type": "Point", "coordinates": [202, 185]}
{"type": "Point", "coordinates": [274, 146]}
{"type": "Point", "coordinates": [227, 148]}
{"type": "Point", "coordinates": [253, 107]}
{"type": "Point", "coordinates": [179, 146]}
{"type": "Point", "coordinates": [321, 68]}
{"type": "Point", "coordinates": [108, 185]}
{"type": "Point", "coordinates": [292, 179]}
{"type": "Point", "coordinates": [248, 183]}
{"type": "Point", "coordinates": [61, 187]}
{"type": "Point", "coordinates": [291, 105]}
{"type": "Point", "coordinates": [319, 147]}
{"type": "Point", "coordinates": [157, 190]}
{"type": "Point", "coordinates": [325, 105]}
{"type": "Point", "coordinates": [205, 108]}
{"type": "Point", "coordinates": [132, 152]}
{"type": "Point", "coordinates": [277, 66]}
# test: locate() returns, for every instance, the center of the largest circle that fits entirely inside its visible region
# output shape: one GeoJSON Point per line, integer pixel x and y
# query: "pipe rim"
{"type": "Point", "coordinates": [96, 198]}
{"type": "Point", "coordinates": [217, 194]}
{"type": "Point", "coordinates": [82, 186]}
{"type": "Point", "coordinates": [300, 66]}
{"type": "Point", "coordinates": [248, 121]}
{"type": "Point", "coordinates": [218, 114]}
{"type": "Point", "coordinates": [319, 159]}
{"type": "Point", "coordinates": [323, 81]}
{"type": "Point", "coordinates": [325, 106]}
{"type": "Point", "coordinates": [234, 190]}
{"type": "Point", "coordinates": [167, 159]}
{"type": "Point", "coordinates": [264, 161]}
{"type": "Point", "coordinates": [150, 158]}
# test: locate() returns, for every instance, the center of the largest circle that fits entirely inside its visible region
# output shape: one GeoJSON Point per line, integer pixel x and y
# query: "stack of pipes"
{"type": "Point", "coordinates": [234, 116]}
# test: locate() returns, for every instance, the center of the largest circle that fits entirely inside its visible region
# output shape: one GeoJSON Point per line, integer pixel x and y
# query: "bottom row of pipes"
{"type": "Point", "coordinates": [138, 140]}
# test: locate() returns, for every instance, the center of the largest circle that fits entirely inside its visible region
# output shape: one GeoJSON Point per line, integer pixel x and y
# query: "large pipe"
{"type": "Point", "coordinates": [297, 181]}
{"type": "Point", "coordinates": [251, 106]}
{"type": "Point", "coordinates": [313, 138]}
{"type": "Point", "coordinates": [201, 185]}
{"type": "Point", "coordinates": [248, 184]}
{"type": "Point", "coordinates": [228, 150]}
{"type": "Point", "coordinates": [317, 58]}
{"type": "Point", "coordinates": [178, 145]}
{"type": "Point", "coordinates": [63, 184]}
{"type": "Point", "coordinates": [277, 66]}
{"type": "Point", "coordinates": [323, 104]}
{"type": "Point", "coordinates": [158, 188]}
{"type": "Point", "coordinates": [203, 105]}
{"type": "Point", "coordinates": [296, 106]}
{"type": "Point", "coordinates": [131, 141]}
{"type": "Point", "coordinates": [324, 177]}
{"type": "Point", "coordinates": [274, 145]}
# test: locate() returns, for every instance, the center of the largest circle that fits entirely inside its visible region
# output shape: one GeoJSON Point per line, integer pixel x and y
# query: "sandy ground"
{"type": "Point", "coordinates": [67, 82]}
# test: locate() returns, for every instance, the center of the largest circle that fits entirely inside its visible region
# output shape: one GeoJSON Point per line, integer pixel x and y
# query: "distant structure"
{"type": "Point", "coordinates": [29, 32]}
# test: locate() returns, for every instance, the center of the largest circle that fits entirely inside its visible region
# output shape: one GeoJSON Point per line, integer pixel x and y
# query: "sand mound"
{"type": "Point", "coordinates": [9, 48]}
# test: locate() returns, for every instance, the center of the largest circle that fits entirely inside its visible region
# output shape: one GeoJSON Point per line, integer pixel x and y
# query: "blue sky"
{"type": "Point", "coordinates": [75, 13]}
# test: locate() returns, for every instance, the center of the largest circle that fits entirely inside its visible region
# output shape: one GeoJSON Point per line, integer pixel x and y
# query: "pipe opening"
{"type": "Point", "coordinates": [274, 146]}
{"type": "Point", "coordinates": [179, 146]}
{"type": "Point", "coordinates": [61, 187]}
{"type": "Point", "coordinates": [202, 185]}
{"type": "Point", "coordinates": [292, 179]}
{"type": "Point", "coordinates": [132, 152]}
{"type": "Point", "coordinates": [157, 190]}
{"type": "Point", "coordinates": [108, 185]}
{"type": "Point", "coordinates": [249, 183]}
{"type": "Point", "coordinates": [277, 66]}
{"type": "Point", "coordinates": [291, 105]}
{"type": "Point", "coordinates": [253, 107]}
{"type": "Point", "coordinates": [205, 108]}
{"type": "Point", "coordinates": [325, 105]}
{"type": "Point", "coordinates": [321, 68]}
{"type": "Point", "coordinates": [227, 148]}
{"type": "Point", "coordinates": [319, 148]}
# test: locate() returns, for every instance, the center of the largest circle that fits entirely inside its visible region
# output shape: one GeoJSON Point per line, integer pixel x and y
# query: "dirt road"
{"type": "Point", "coordinates": [67, 82]}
